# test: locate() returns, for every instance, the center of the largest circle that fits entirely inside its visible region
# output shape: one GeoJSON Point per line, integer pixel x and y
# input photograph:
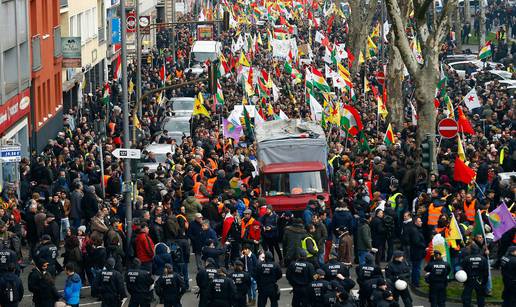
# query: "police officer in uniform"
{"type": "Point", "coordinates": [170, 287]}
{"type": "Point", "coordinates": [242, 281]}
{"type": "Point", "coordinates": [12, 287]}
{"type": "Point", "coordinates": [437, 278]}
{"type": "Point", "coordinates": [476, 266]}
{"type": "Point", "coordinates": [139, 284]}
{"type": "Point", "coordinates": [508, 264]}
{"type": "Point", "coordinates": [335, 270]}
{"type": "Point", "coordinates": [7, 257]}
{"type": "Point", "coordinates": [110, 285]}
{"type": "Point", "coordinates": [398, 268]}
{"type": "Point", "coordinates": [267, 275]}
{"type": "Point", "coordinates": [299, 274]}
{"type": "Point", "coordinates": [221, 290]}
{"type": "Point", "coordinates": [203, 278]}
{"type": "Point", "coordinates": [46, 251]}
{"type": "Point", "coordinates": [378, 290]}
{"type": "Point", "coordinates": [367, 275]}
{"type": "Point", "coordinates": [318, 289]}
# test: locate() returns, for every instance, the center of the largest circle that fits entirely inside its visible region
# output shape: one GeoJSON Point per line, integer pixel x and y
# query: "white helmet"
{"type": "Point", "coordinates": [461, 276]}
{"type": "Point", "coordinates": [400, 285]}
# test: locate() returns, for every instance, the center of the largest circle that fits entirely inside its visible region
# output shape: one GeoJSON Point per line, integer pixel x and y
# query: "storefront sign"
{"type": "Point", "coordinates": [10, 153]}
{"type": "Point", "coordinates": [71, 51]}
{"type": "Point", "coordinates": [14, 110]}
{"type": "Point", "coordinates": [115, 31]}
{"type": "Point", "coordinates": [205, 32]}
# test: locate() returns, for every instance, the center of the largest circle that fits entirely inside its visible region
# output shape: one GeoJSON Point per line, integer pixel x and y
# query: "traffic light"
{"type": "Point", "coordinates": [427, 155]}
{"type": "Point", "coordinates": [225, 21]}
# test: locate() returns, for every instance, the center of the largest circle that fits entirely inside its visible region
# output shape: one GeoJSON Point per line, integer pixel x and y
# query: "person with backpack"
{"type": "Point", "coordinates": [73, 285]}
{"type": "Point", "coordinates": [41, 284]}
{"type": "Point", "coordinates": [11, 288]}
{"type": "Point", "coordinates": [162, 256]}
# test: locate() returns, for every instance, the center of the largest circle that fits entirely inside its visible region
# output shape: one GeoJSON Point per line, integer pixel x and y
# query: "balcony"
{"type": "Point", "coordinates": [36, 53]}
{"type": "Point", "coordinates": [63, 3]}
{"type": "Point", "coordinates": [101, 35]}
{"type": "Point", "coordinates": [57, 42]}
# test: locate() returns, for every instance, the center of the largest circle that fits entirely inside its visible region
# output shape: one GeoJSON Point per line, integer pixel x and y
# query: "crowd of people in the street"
{"type": "Point", "coordinates": [373, 235]}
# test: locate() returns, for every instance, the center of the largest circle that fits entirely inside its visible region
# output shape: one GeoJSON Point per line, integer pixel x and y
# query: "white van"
{"type": "Point", "coordinates": [201, 52]}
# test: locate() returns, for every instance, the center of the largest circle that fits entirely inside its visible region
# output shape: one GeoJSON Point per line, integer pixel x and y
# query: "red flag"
{"type": "Point", "coordinates": [310, 16]}
{"type": "Point", "coordinates": [330, 23]}
{"type": "Point", "coordinates": [462, 172]}
{"type": "Point", "coordinates": [384, 94]}
{"type": "Point", "coordinates": [162, 73]}
{"type": "Point", "coordinates": [282, 20]}
{"type": "Point", "coordinates": [437, 103]}
{"type": "Point", "coordinates": [278, 72]}
{"type": "Point", "coordinates": [326, 43]}
{"type": "Point", "coordinates": [351, 57]}
{"type": "Point", "coordinates": [464, 124]}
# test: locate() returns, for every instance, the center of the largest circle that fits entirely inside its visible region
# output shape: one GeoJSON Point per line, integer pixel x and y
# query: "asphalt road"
{"type": "Point", "coordinates": [189, 299]}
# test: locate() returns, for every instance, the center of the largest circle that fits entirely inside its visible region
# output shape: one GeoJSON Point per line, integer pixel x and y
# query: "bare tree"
{"type": "Point", "coordinates": [359, 23]}
{"type": "Point", "coordinates": [431, 36]}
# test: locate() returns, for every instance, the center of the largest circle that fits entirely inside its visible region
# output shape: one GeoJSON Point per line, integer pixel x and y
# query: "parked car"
{"type": "Point", "coordinates": [491, 75]}
{"type": "Point", "coordinates": [182, 106]}
{"type": "Point", "coordinates": [177, 127]}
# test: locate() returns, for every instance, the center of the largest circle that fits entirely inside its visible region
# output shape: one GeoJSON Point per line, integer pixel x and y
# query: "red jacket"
{"type": "Point", "coordinates": [251, 230]}
{"type": "Point", "coordinates": [226, 226]}
{"type": "Point", "coordinates": [144, 247]}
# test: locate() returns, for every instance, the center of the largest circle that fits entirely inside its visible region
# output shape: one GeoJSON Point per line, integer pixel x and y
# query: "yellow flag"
{"type": "Point", "coordinates": [361, 58]}
{"type": "Point", "coordinates": [371, 44]}
{"type": "Point", "coordinates": [460, 149]}
{"type": "Point", "coordinates": [243, 60]}
{"type": "Point", "coordinates": [376, 30]}
{"type": "Point", "coordinates": [449, 107]}
{"type": "Point", "coordinates": [259, 40]}
{"type": "Point", "coordinates": [199, 108]}
{"type": "Point", "coordinates": [131, 87]}
{"type": "Point", "coordinates": [160, 96]}
{"type": "Point", "coordinates": [382, 109]}
{"type": "Point", "coordinates": [136, 122]}
{"type": "Point", "coordinates": [366, 85]}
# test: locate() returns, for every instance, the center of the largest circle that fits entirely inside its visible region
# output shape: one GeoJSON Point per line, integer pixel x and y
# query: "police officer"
{"type": "Point", "coordinates": [377, 292]}
{"type": "Point", "coordinates": [335, 270]}
{"type": "Point", "coordinates": [476, 266]}
{"type": "Point", "coordinates": [46, 251]}
{"type": "Point", "coordinates": [139, 284]}
{"type": "Point", "coordinates": [508, 264]}
{"type": "Point", "coordinates": [170, 287]}
{"type": "Point", "coordinates": [318, 288]}
{"type": "Point", "coordinates": [367, 275]}
{"type": "Point", "coordinates": [299, 275]}
{"type": "Point", "coordinates": [203, 278]}
{"type": "Point", "coordinates": [7, 257]}
{"type": "Point", "coordinates": [387, 300]}
{"type": "Point", "coordinates": [11, 287]}
{"type": "Point", "coordinates": [267, 275]}
{"type": "Point", "coordinates": [221, 290]}
{"type": "Point", "coordinates": [110, 285]}
{"type": "Point", "coordinates": [242, 281]}
{"type": "Point", "coordinates": [437, 278]}
{"type": "Point", "coordinates": [398, 269]}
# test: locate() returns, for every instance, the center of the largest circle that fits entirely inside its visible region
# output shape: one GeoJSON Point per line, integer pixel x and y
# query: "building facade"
{"type": "Point", "coordinates": [46, 94]}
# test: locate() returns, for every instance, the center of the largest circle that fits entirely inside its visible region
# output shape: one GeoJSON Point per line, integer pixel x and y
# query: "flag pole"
{"type": "Point", "coordinates": [478, 187]}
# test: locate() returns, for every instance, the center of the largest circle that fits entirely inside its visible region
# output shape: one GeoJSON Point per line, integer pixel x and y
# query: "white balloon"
{"type": "Point", "coordinates": [461, 276]}
{"type": "Point", "coordinates": [400, 285]}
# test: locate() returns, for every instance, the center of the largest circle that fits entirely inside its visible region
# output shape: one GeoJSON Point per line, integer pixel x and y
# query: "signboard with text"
{"type": "Point", "coordinates": [14, 110]}
{"type": "Point", "coordinates": [205, 33]}
{"type": "Point", "coordinates": [10, 153]}
{"type": "Point", "coordinates": [71, 47]}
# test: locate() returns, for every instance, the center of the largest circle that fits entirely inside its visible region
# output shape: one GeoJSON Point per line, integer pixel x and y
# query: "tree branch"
{"type": "Point", "coordinates": [442, 24]}
{"type": "Point", "coordinates": [401, 39]}
{"type": "Point", "coordinates": [421, 10]}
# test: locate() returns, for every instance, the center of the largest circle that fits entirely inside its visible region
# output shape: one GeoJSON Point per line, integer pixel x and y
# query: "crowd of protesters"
{"type": "Point", "coordinates": [206, 200]}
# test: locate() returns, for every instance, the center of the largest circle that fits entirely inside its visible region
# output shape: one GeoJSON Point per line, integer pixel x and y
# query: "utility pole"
{"type": "Point", "coordinates": [174, 32]}
{"type": "Point", "coordinates": [138, 57]}
{"type": "Point", "coordinates": [125, 109]}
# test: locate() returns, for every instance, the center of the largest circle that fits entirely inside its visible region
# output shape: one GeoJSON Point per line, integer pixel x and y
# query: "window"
{"type": "Point", "coordinates": [57, 42]}
{"type": "Point", "coordinates": [21, 20]}
{"type": "Point", "coordinates": [45, 17]}
{"type": "Point", "coordinates": [73, 26]}
{"type": "Point", "coordinates": [295, 183]}
{"type": "Point", "coordinates": [87, 23]}
{"type": "Point", "coordinates": [8, 21]}
{"type": "Point", "coordinates": [36, 53]}
{"type": "Point", "coordinates": [94, 21]}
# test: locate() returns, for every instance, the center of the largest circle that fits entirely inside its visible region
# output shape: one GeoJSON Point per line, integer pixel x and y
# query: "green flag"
{"type": "Point", "coordinates": [478, 229]}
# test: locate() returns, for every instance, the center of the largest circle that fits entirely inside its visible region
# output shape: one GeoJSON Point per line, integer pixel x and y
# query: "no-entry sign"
{"type": "Point", "coordinates": [448, 128]}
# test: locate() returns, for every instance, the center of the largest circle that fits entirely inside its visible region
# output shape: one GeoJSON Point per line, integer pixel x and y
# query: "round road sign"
{"type": "Point", "coordinates": [144, 21]}
{"type": "Point", "coordinates": [131, 22]}
{"type": "Point", "coordinates": [448, 128]}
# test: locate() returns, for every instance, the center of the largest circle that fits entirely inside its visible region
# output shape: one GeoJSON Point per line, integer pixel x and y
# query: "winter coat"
{"type": "Point", "coordinates": [292, 238]}
{"type": "Point", "coordinates": [342, 217]}
{"type": "Point", "coordinates": [98, 228]}
{"type": "Point", "coordinates": [192, 206]}
{"type": "Point", "coordinates": [364, 237]}
{"type": "Point", "coordinates": [320, 235]}
{"type": "Point", "coordinates": [345, 249]}
{"type": "Point", "coordinates": [272, 222]}
{"type": "Point", "coordinates": [194, 233]}
{"type": "Point", "coordinates": [161, 257]}
{"type": "Point", "coordinates": [72, 289]}
{"type": "Point", "coordinates": [378, 232]}
{"type": "Point", "coordinates": [43, 289]}
{"type": "Point", "coordinates": [89, 205]}
{"type": "Point", "coordinates": [144, 247]}
{"type": "Point", "coordinates": [207, 235]}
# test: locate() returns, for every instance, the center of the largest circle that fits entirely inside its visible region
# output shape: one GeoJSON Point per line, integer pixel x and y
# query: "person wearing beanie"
{"type": "Point", "coordinates": [139, 284]}
{"type": "Point", "coordinates": [221, 290]}
{"type": "Point", "coordinates": [110, 285]}
{"type": "Point", "coordinates": [377, 293]}
{"type": "Point", "coordinates": [387, 300]}
{"type": "Point", "coordinates": [318, 288]}
{"type": "Point", "coordinates": [170, 287]}
{"type": "Point", "coordinates": [242, 280]}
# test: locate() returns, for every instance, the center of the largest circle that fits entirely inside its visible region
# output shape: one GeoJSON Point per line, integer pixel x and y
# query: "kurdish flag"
{"type": "Point", "coordinates": [351, 120]}
{"type": "Point", "coordinates": [106, 95]}
{"type": "Point", "coordinates": [389, 136]}
{"type": "Point", "coordinates": [199, 108]}
{"type": "Point", "coordinates": [486, 51]}
{"type": "Point", "coordinates": [219, 95]}
{"type": "Point", "coordinates": [319, 81]}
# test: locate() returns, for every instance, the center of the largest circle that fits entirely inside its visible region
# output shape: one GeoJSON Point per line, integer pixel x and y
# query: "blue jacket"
{"type": "Point", "coordinates": [343, 218]}
{"type": "Point", "coordinates": [194, 233]}
{"type": "Point", "coordinates": [250, 262]}
{"type": "Point", "coordinates": [307, 215]}
{"type": "Point", "coordinates": [161, 257]}
{"type": "Point", "coordinates": [272, 222]}
{"type": "Point", "coordinates": [72, 289]}
{"type": "Point", "coordinates": [207, 235]}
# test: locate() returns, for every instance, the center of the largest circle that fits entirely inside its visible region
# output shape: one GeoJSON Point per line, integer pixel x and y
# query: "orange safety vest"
{"type": "Point", "coordinates": [184, 218]}
{"type": "Point", "coordinates": [213, 164]}
{"type": "Point", "coordinates": [209, 184]}
{"type": "Point", "coordinates": [197, 190]}
{"type": "Point", "coordinates": [433, 214]}
{"type": "Point", "coordinates": [470, 211]}
{"type": "Point", "coordinates": [245, 225]}
{"type": "Point", "coordinates": [106, 178]}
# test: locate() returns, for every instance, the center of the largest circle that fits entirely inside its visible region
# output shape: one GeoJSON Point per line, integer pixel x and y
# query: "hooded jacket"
{"type": "Point", "coordinates": [292, 238]}
{"type": "Point", "coordinates": [192, 206]}
{"type": "Point", "coordinates": [72, 289]}
{"type": "Point", "coordinates": [161, 257]}
{"type": "Point", "coordinates": [144, 247]}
